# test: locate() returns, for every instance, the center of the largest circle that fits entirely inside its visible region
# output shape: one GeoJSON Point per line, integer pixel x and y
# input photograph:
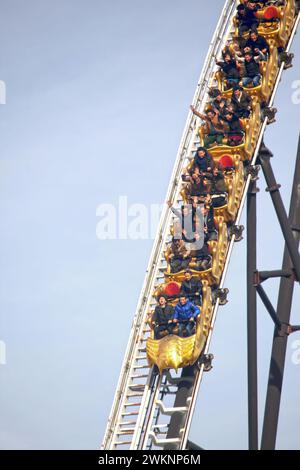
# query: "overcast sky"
{"type": "Point", "coordinates": [97, 96]}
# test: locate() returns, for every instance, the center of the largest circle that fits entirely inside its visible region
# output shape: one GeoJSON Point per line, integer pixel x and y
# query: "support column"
{"type": "Point", "coordinates": [252, 318]}
{"type": "Point", "coordinates": [184, 391]}
{"type": "Point", "coordinates": [284, 305]}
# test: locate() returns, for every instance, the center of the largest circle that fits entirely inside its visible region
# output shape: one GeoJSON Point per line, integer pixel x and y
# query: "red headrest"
{"type": "Point", "coordinates": [172, 288]}
{"type": "Point", "coordinates": [271, 12]}
{"type": "Point", "coordinates": [226, 161]}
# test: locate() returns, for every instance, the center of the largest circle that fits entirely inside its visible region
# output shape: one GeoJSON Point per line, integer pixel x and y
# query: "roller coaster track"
{"type": "Point", "coordinates": [144, 398]}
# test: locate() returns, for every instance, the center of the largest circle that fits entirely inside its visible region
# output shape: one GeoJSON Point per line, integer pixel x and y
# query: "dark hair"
{"type": "Point", "coordinates": [214, 92]}
{"type": "Point", "coordinates": [161, 296]}
{"type": "Point", "coordinates": [188, 271]}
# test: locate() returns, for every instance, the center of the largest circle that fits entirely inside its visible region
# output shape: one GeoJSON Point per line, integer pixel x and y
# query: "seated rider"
{"type": "Point", "coordinates": [252, 74]}
{"type": "Point", "coordinates": [179, 256]}
{"type": "Point", "coordinates": [203, 161]}
{"type": "Point", "coordinates": [230, 69]}
{"type": "Point", "coordinates": [241, 102]}
{"type": "Point", "coordinates": [246, 18]}
{"type": "Point", "coordinates": [210, 230]}
{"type": "Point", "coordinates": [197, 187]}
{"type": "Point", "coordinates": [219, 194]}
{"type": "Point", "coordinates": [218, 101]}
{"type": "Point", "coordinates": [235, 132]}
{"type": "Point", "coordinates": [184, 225]}
{"type": "Point", "coordinates": [185, 314]}
{"type": "Point", "coordinates": [162, 318]}
{"type": "Point", "coordinates": [191, 287]}
{"type": "Point", "coordinates": [256, 44]}
{"type": "Point", "coordinates": [215, 126]}
{"type": "Point", "coordinates": [203, 258]}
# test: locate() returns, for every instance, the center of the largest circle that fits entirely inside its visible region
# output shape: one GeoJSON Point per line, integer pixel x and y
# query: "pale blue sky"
{"type": "Point", "coordinates": [97, 96]}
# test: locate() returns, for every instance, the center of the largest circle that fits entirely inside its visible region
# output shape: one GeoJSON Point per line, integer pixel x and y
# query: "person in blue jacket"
{"type": "Point", "coordinates": [185, 314]}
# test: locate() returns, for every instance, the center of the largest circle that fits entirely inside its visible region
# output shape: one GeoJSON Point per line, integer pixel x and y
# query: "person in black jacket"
{"type": "Point", "coordinates": [252, 70]}
{"type": "Point", "coordinates": [246, 18]}
{"type": "Point", "coordinates": [218, 101]}
{"type": "Point", "coordinates": [219, 194]}
{"type": "Point", "coordinates": [203, 258]}
{"type": "Point", "coordinates": [235, 133]}
{"type": "Point", "coordinates": [185, 224]}
{"type": "Point", "coordinates": [256, 44]}
{"type": "Point", "coordinates": [191, 287]}
{"type": "Point", "coordinates": [203, 161]}
{"type": "Point", "coordinates": [210, 230]}
{"type": "Point", "coordinates": [230, 70]}
{"type": "Point", "coordinates": [197, 188]}
{"type": "Point", "coordinates": [162, 318]}
{"type": "Point", "coordinates": [241, 102]}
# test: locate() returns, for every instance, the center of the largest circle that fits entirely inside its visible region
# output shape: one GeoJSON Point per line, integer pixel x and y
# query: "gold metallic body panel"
{"type": "Point", "coordinates": [173, 352]}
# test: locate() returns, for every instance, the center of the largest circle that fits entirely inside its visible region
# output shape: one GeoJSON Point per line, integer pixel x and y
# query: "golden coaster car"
{"type": "Point", "coordinates": [174, 352]}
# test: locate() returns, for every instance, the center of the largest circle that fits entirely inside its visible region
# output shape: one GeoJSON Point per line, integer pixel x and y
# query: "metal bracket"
{"type": "Point", "coordinates": [293, 328]}
{"type": "Point", "coordinates": [260, 276]}
{"type": "Point", "coordinates": [221, 294]}
{"type": "Point", "coordinates": [269, 112]}
{"type": "Point", "coordinates": [253, 171]}
{"type": "Point", "coordinates": [237, 230]}
{"type": "Point", "coordinates": [284, 330]}
{"type": "Point", "coordinates": [286, 58]}
{"type": "Point", "coordinates": [273, 189]}
{"type": "Point", "coordinates": [206, 360]}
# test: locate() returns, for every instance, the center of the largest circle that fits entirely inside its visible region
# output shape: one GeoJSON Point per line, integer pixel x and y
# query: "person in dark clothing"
{"type": "Point", "coordinates": [203, 161]}
{"type": "Point", "coordinates": [210, 230]}
{"type": "Point", "coordinates": [230, 69]}
{"type": "Point", "coordinates": [191, 287]}
{"type": "Point", "coordinates": [162, 318]}
{"type": "Point", "coordinates": [185, 226]}
{"type": "Point", "coordinates": [235, 133]}
{"type": "Point", "coordinates": [219, 194]}
{"type": "Point", "coordinates": [241, 102]}
{"type": "Point", "coordinates": [179, 256]}
{"type": "Point", "coordinates": [215, 126]}
{"type": "Point", "coordinates": [185, 315]}
{"type": "Point", "coordinates": [218, 102]}
{"type": "Point", "coordinates": [197, 188]}
{"type": "Point", "coordinates": [252, 70]}
{"type": "Point", "coordinates": [203, 258]}
{"type": "Point", "coordinates": [246, 18]}
{"type": "Point", "coordinates": [256, 44]}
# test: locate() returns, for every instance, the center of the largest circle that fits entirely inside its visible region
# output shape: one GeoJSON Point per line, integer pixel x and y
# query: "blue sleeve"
{"type": "Point", "coordinates": [196, 310]}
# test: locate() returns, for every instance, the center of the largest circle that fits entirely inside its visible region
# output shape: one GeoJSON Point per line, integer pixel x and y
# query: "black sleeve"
{"type": "Point", "coordinates": [265, 44]}
{"type": "Point", "coordinates": [247, 98]}
{"type": "Point", "coordinates": [171, 310]}
{"type": "Point", "coordinates": [183, 288]}
{"type": "Point", "coordinates": [210, 162]}
{"type": "Point", "coordinates": [154, 316]}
